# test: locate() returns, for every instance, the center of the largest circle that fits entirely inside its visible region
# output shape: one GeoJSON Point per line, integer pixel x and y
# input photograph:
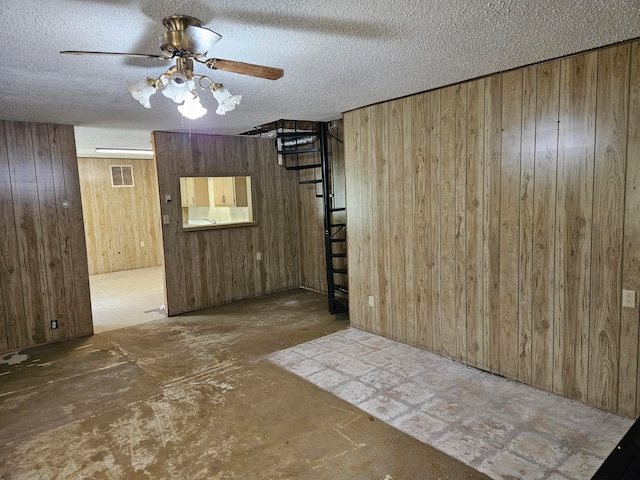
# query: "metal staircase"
{"type": "Point", "coordinates": [304, 147]}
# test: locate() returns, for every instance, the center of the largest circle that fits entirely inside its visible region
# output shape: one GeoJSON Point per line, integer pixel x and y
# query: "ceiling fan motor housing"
{"type": "Point", "coordinates": [186, 37]}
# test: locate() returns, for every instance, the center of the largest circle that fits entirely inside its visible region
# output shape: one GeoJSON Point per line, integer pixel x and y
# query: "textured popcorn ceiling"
{"type": "Point", "coordinates": [337, 55]}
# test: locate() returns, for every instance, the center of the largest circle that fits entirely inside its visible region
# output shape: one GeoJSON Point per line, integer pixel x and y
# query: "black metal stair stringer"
{"type": "Point", "coordinates": [291, 145]}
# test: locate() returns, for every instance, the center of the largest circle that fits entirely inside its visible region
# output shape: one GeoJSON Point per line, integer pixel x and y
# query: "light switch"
{"type": "Point", "coordinates": [259, 256]}
{"type": "Point", "coordinates": [165, 219]}
{"type": "Point", "coordinates": [371, 301]}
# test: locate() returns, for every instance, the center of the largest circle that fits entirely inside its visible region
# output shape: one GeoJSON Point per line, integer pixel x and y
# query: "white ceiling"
{"type": "Point", "coordinates": [337, 55]}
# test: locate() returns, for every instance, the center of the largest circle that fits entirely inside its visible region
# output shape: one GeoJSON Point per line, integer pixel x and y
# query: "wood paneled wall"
{"type": "Point", "coordinates": [313, 271]}
{"type": "Point", "coordinates": [43, 258]}
{"type": "Point", "coordinates": [497, 221]}
{"type": "Point", "coordinates": [118, 219]}
{"type": "Point", "coordinates": [212, 267]}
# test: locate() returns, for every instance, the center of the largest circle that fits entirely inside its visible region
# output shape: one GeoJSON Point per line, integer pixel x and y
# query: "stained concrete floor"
{"type": "Point", "coordinates": [194, 397]}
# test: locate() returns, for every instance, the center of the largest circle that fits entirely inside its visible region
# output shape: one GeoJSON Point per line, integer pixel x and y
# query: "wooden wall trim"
{"type": "Point", "coordinates": [525, 213]}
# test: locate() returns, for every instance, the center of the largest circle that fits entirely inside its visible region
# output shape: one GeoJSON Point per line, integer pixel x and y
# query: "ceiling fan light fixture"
{"type": "Point", "coordinates": [186, 41]}
{"type": "Point", "coordinates": [226, 101]}
{"type": "Point", "coordinates": [142, 90]}
{"type": "Point", "coordinates": [178, 87]}
{"type": "Point", "coordinates": [192, 109]}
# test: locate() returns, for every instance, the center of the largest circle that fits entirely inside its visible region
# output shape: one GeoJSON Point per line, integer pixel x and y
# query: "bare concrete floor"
{"type": "Point", "coordinates": [125, 298]}
{"type": "Point", "coordinates": [194, 397]}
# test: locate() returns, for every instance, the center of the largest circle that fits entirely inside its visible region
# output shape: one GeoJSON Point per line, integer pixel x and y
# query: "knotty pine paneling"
{"type": "Point", "coordinates": [525, 223]}
{"type": "Point", "coordinates": [118, 219]}
{"type": "Point", "coordinates": [43, 257]}
{"type": "Point", "coordinates": [211, 267]}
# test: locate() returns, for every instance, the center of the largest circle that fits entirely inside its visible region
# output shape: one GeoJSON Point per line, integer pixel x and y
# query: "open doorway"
{"type": "Point", "coordinates": [125, 298]}
{"type": "Point", "coordinates": [124, 242]}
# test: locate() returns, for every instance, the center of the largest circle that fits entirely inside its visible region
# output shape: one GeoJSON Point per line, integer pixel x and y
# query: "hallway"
{"type": "Point", "coordinates": [125, 298]}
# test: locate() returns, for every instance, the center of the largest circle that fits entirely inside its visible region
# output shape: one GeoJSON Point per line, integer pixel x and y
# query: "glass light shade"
{"type": "Point", "coordinates": [142, 90]}
{"type": "Point", "coordinates": [226, 101]}
{"type": "Point", "coordinates": [178, 87]}
{"type": "Point", "coordinates": [192, 109]}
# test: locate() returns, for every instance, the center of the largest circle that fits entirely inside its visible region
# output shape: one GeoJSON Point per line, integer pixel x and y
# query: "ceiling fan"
{"type": "Point", "coordinates": [186, 41]}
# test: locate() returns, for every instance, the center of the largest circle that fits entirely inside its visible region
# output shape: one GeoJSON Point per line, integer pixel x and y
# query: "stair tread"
{"type": "Point", "coordinates": [302, 167]}
{"type": "Point", "coordinates": [339, 270]}
{"type": "Point", "coordinates": [309, 182]}
{"type": "Point", "coordinates": [297, 134]}
{"type": "Point", "coordinates": [296, 151]}
{"type": "Point", "coordinates": [337, 209]}
{"type": "Point", "coordinates": [339, 255]}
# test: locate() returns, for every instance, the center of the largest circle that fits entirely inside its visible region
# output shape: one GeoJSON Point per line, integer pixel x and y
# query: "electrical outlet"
{"type": "Point", "coordinates": [259, 256]}
{"type": "Point", "coordinates": [54, 324]}
{"type": "Point", "coordinates": [142, 244]}
{"type": "Point", "coordinates": [165, 219]}
{"type": "Point", "coordinates": [371, 304]}
{"type": "Point", "coordinates": [629, 298]}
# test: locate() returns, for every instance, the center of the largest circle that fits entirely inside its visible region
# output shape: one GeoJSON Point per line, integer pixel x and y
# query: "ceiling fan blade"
{"type": "Point", "coordinates": [270, 73]}
{"type": "Point", "coordinates": [140, 55]}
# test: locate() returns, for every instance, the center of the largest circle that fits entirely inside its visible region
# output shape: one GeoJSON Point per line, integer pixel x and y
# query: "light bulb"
{"type": "Point", "coordinates": [192, 109]}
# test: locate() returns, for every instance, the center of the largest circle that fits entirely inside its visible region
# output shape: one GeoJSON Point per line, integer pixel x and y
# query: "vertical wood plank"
{"type": "Point", "coordinates": [28, 227]}
{"type": "Point", "coordinates": [527, 185]}
{"type": "Point", "coordinates": [631, 250]}
{"type": "Point", "coordinates": [71, 231]}
{"type": "Point", "coordinates": [448, 220]}
{"type": "Point", "coordinates": [630, 320]}
{"type": "Point", "coordinates": [408, 212]}
{"type": "Point", "coordinates": [422, 240]}
{"type": "Point", "coordinates": [52, 280]}
{"type": "Point", "coordinates": [13, 332]}
{"type": "Point", "coordinates": [546, 162]}
{"type": "Point", "coordinates": [368, 218]}
{"type": "Point", "coordinates": [435, 166]}
{"type": "Point", "coordinates": [509, 220]}
{"type": "Point", "coordinates": [573, 224]}
{"type": "Point", "coordinates": [166, 147]}
{"type": "Point", "coordinates": [608, 224]}
{"type": "Point", "coordinates": [475, 216]}
{"type": "Point", "coordinates": [460, 250]}
{"type": "Point", "coordinates": [491, 235]}
{"type": "Point", "coordinates": [396, 221]}
{"type": "Point", "coordinates": [354, 220]}
{"type": "Point", "coordinates": [382, 230]}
